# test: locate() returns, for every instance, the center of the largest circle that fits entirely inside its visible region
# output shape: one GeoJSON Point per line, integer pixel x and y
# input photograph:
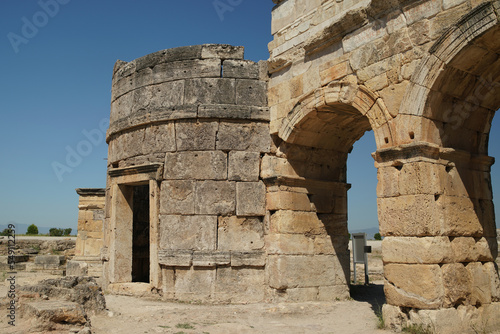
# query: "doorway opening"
{"type": "Point", "coordinates": [140, 234]}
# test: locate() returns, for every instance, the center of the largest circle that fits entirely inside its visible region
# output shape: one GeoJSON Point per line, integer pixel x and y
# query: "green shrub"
{"type": "Point", "coordinates": [67, 231]}
{"type": "Point", "coordinates": [56, 232]}
{"type": "Point", "coordinates": [6, 232]}
{"type": "Point", "coordinates": [32, 229]}
{"type": "Point", "coordinates": [377, 236]}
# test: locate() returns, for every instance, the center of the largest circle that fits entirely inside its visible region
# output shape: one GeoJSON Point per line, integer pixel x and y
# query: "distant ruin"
{"type": "Point", "coordinates": [227, 178]}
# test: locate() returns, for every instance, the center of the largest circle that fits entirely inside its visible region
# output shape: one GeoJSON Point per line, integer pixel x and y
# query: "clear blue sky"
{"type": "Point", "coordinates": [57, 86]}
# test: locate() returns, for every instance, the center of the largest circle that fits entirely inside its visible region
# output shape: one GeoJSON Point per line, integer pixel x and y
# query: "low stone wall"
{"type": "Point", "coordinates": [36, 245]}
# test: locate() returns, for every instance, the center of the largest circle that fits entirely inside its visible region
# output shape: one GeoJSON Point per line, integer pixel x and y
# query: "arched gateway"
{"type": "Point", "coordinates": [425, 77]}
{"type": "Point", "coordinates": [217, 192]}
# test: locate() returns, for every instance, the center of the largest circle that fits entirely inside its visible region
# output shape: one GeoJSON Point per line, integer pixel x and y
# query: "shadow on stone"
{"type": "Point", "coordinates": [372, 294]}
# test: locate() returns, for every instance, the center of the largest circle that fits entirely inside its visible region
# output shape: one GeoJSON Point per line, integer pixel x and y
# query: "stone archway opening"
{"type": "Point", "coordinates": [307, 198]}
{"type": "Point", "coordinates": [440, 250]}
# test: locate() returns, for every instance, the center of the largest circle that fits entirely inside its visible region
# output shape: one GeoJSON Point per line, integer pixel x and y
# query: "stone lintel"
{"type": "Point", "coordinates": [407, 151]}
{"type": "Point", "coordinates": [188, 258]}
{"type": "Point", "coordinates": [151, 171]}
{"type": "Point", "coordinates": [433, 153]}
{"type": "Point", "coordinates": [91, 191]}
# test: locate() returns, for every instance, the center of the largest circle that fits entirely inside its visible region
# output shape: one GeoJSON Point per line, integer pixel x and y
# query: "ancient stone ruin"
{"type": "Point", "coordinates": [227, 178]}
{"type": "Point", "coordinates": [87, 259]}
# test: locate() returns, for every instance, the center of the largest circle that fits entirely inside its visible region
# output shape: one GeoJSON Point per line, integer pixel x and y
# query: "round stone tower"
{"type": "Point", "coordinates": [185, 204]}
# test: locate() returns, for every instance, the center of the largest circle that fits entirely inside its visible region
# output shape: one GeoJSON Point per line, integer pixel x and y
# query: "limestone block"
{"type": "Point", "coordinates": [93, 246]}
{"type": "Point", "coordinates": [215, 197]}
{"type": "Point", "coordinates": [395, 319]}
{"type": "Point", "coordinates": [421, 11]}
{"type": "Point", "coordinates": [183, 53]}
{"type": "Point", "coordinates": [393, 95]}
{"type": "Point", "coordinates": [251, 92]}
{"type": "Point", "coordinates": [289, 244]}
{"type": "Point", "coordinates": [248, 259]}
{"type": "Point", "coordinates": [48, 314]}
{"type": "Point", "coordinates": [377, 68]}
{"type": "Point", "coordinates": [240, 234]}
{"type": "Point", "coordinates": [250, 137]}
{"type": "Point", "coordinates": [285, 200]}
{"type": "Point", "coordinates": [50, 259]}
{"type": "Point", "coordinates": [469, 249]}
{"type": "Point", "coordinates": [364, 35]}
{"type": "Point", "coordinates": [162, 96]}
{"type": "Point", "coordinates": [388, 182]}
{"type": "Point", "coordinates": [335, 224]}
{"type": "Point", "coordinates": [333, 293]}
{"type": "Point", "coordinates": [188, 232]}
{"type": "Point", "coordinates": [210, 91]}
{"type": "Point", "coordinates": [413, 215]}
{"type": "Point", "coordinates": [98, 215]}
{"type": "Point", "coordinates": [445, 320]}
{"type": "Point", "coordinates": [121, 107]}
{"type": "Point", "coordinates": [451, 3]}
{"type": "Point", "coordinates": [222, 51]}
{"type": "Point", "coordinates": [296, 86]}
{"type": "Point", "coordinates": [250, 198]}
{"type": "Point", "coordinates": [481, 284]}
{"type": "Point", "coordinates": [195, 135]}
{"type": "Point", "coordinates": [273, 166]}
{"type": "Point", "coordinates": [324, 201]}
{"type": "Point", "coordinates": [76, 268]}
{"type": "Point", "coordinates": [284, 271]}
{"type": "Point", "coordinates": [335, 72]}
{"type": "Point", "coordinates": [196, 165]}
{"type": "Point", "coordinates": [486, 213]}
{"type": "Point", "coordinates": [211, 259]}
{"type": "Point", "coordinates": [295, 295]}
{"type": "Point", "coordinates": [378, 83]}
{"type": "Point", "coordinates": [242, 69]}
{"type": "Point", "coordinates": [444, 20]}
{"type": "Point", "coordinates": [492, 269]}
{"type": "Point", "coordinates": [296, 222]}
{"type": "Point", "coordinates": [425, 250]}
{"type": "Point", "coordinates": [90, 226]}
{"type": "Point", "coordinates": [244, 166]}
{"type": "Point", "coordinates": [231, 111]}
{"type": "Point", "coordinates": [459, 216]}
{"type": "Point", "coordinates": [194, 284]}
{"type": "Point", "coordinates": [177, 197]}
{"type": "Point", "coordinates": [175, 258]}
{"type": "Point", "coordinates": [416, 285]}
{"type": "Point", "coordinates": [457, 284]}
{"type": "Point", "coordinates": [240, 285]}
{"type": "Point", "coordinates": [132, 143]}
{"type": "Point", "coordinates": [159, 138]}
{"type": "Point", "coordinates": [186, 69]}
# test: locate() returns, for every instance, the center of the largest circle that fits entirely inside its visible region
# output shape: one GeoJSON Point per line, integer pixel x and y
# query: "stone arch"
{"type": "Point", "coordinates": [342, 107]}
{"type": "Point", "coordinates": [435, 195]}
{"type": "Point", "coordinates": [452, 90]}
{"type": "Point", "coordinates": [307, 188]}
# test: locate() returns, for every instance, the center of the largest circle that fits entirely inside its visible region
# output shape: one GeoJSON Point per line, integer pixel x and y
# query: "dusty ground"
{"type": "Point", "coordinates": [139, 315]}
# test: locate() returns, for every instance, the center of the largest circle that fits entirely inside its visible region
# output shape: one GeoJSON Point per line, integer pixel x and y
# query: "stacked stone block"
{"type": "Point", "coordinates": [200, 112]}
{"type": "Point", "coordinates": [89, 240]}
{"type": "Point", "coordinates": [307, 239]}
{"type": "Point", "coordinates": [424, 76]}
{"type": "Point", "coordinates": [439, 227]}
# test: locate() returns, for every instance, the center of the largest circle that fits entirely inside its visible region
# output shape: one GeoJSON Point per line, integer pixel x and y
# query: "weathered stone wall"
{"type": "Point", "coordinates": [89, 240]}
{"type": "Point", "coordinates": [424, 76]}
{"type": "Point", "coordinates": [199, 114]}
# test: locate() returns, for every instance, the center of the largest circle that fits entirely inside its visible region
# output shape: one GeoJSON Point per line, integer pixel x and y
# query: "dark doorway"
{"type": "Point", "coordinates": [140, 234]}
